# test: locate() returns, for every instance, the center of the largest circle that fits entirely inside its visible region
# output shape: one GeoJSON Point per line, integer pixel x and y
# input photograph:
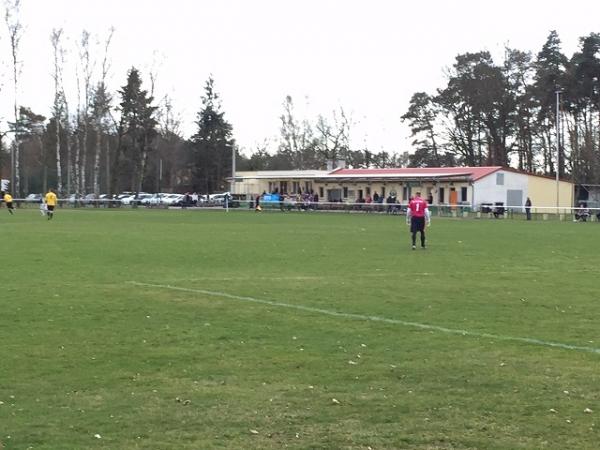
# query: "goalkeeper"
{"type": "Point", "coordinates": [416, 216]}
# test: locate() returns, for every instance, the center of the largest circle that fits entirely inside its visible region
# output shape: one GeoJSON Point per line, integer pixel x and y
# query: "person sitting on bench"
{"type": "Point", "coordinates": [582, 213]}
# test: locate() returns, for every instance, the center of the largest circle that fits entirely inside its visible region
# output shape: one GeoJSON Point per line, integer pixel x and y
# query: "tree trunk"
{"type": "Point", "coordinates": [44, 165]}
{"type": "Point", "coordinates": [59, 186]}
{"type": "Point", "coordinates": [108, 186]}
{"type": "Point", "coordinates": [77, 167]}
{"type": "Point", "coordinates": [84, 156]}
{"type": "Point", "coordinates": [69, 161]}
{"type": "Point", "coordinates": [17, 156]}
{"type": "Point", "coordinates": [97, 159]}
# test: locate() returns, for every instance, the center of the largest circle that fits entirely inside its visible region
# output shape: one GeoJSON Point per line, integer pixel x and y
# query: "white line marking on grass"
{"type": "Point", "coordinates": [327, 312]}
{"type": "Point", "coordinates": [397, 274]}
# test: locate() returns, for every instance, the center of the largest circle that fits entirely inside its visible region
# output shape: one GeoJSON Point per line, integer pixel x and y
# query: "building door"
{"type": "Point", "coordinates": [441, 196]}
{"type": "Point", "coordinates": [514, 199]}
{"type": "Point", "coordinates": [453, 197]}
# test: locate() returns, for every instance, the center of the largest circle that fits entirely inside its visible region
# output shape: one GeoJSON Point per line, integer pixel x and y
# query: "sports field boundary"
{"type": "Point", "coordinates": [423, 326]}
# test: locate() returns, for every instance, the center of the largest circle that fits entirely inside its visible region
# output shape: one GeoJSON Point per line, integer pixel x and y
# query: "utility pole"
{"type": "Point", "coordinates": [232, 188]}
{"type": "Point", "coordinates": [557, 92]}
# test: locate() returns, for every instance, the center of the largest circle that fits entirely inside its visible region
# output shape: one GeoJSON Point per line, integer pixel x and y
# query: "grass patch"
{"type": "Point", "coordinates": [85, 352]}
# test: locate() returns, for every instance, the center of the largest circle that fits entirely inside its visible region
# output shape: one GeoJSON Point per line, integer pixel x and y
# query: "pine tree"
{"type": "Point", "coordinates": [136, 132]}
{"type": "Point", "coordinates": [212, 145]}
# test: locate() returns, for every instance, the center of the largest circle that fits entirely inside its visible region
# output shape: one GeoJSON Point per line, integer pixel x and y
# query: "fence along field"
{"type": "Point", "coordinates": [487, 210]}
{"type": "Point", "coordinates": [190, 329]}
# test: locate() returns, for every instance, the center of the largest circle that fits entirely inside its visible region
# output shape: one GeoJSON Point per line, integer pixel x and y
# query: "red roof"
{"type": "Point", "coordinates": [475, 173]}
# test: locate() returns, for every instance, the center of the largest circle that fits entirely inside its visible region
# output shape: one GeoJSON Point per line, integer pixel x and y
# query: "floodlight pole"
{"type": "Point", "coordinates": [558, 92]}
{"type": "Point", "coordinates": [232, 186]}
{"type": "Point", "coordinates": [12, 168]}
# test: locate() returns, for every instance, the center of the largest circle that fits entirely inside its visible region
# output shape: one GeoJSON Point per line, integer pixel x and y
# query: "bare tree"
{"type": "Point", "coordinates": [101, 108]}
{"type": "Point", "coordinates": [297, 139]}
{"type": "Point", "coordinates": [15, 32]}
{"type": "Point", "coordinates": [170, 154]}
{"type": "Point", "coordinates": [334, 139]}
{"type": "Point", "coordinates": [59, 101]}
{"type": "Point", "coordinates": [83, 110]}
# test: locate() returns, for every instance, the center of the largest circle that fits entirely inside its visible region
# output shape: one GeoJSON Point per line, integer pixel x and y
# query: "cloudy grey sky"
{"type": "Point", "coordinates": [368, 57]}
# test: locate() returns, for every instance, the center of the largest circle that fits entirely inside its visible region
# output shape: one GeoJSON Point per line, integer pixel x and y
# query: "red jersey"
{"type": "Point", "coordinates": [417, 207]}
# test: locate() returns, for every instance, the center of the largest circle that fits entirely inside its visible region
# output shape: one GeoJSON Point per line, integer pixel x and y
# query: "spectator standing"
{"type": "Point", "coordinates": [257, 206]}
{"type": "Point", "coordinates": [390, 203]}
{"type": "Point", "coordinates": [528, 208]}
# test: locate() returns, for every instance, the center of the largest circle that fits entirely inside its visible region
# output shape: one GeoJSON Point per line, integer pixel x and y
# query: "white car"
{"type": "Point", "coordinates": [161, 199]}
{"type": "Point", "coordinates": [218, 199]}
{"type": "Point", "coordinates": [133, 200]}
{"type": "Point", "coordinates": [172, 199]}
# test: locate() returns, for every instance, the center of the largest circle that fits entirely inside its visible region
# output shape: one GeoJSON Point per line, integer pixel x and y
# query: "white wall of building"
{"type": "Point", "coordinates": [487, 189]}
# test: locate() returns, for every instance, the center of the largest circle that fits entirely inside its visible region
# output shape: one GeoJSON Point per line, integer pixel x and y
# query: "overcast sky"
{"type": "Point", "coordinates": [367, 57]}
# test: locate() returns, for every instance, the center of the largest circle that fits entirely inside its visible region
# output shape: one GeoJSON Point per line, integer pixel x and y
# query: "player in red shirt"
{"type": "Point", "coordinates": [416, 216]}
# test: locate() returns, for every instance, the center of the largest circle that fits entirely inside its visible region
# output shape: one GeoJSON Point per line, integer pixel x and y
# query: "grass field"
{"type": "Point", "coordinates": [201, 330]}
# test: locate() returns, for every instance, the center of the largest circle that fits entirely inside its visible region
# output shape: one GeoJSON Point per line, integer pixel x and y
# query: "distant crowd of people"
{"type": "Point", "coordinates": [309, 200]}
{"type": "Point", "coordinates": [302, 201]}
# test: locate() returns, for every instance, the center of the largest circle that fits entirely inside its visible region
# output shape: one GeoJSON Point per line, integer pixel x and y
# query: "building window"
{"type": "Point", "coordinates": [383, 192]}
{"type": "Point", "coordinates": [441, 195]}
{"type": "Point", "coordinates": [405, 193]}
{"type": "Point", "coordinates": [321, 192]}
{"type": "Point", "coordinates": [368, 190]}
{"type": "Point", "coordinates": [345, 192]}
{"type": "Point", "coordinates": [308, 186]}
{"type": "Point", "coordinates": [295, 187]}
{"type": "Point", "coordinates": [283, 187]}
{"type": "Point", "coordinates": [463, 194]}
{"type": "Point", "coordinates": [500, 179]}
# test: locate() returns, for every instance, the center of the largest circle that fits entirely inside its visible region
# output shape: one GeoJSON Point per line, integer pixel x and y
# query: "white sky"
{"type": "Point", "coordinates": [368, 57]}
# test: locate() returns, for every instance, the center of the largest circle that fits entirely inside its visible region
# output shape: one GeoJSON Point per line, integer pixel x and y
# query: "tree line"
{"type": "Point", "coordinates": [538, 113]}
{"type": "Point", "coordinates": [99, 141]}
{"type": "Point", "coordinates": [487, 114]}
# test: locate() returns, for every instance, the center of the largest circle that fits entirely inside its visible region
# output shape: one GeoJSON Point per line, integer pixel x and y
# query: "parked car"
{"type": "Point", "coordinates": [218, 199]}
{"type": "Point", "coordinates": [89, 199]}
{"type": "Point", "coordinates": [183, 200]}
{"type": "Point", "coordinates": [173, 199]}
{"type": "Point", "coordinates": [34, 198]}
{"type": "Point", "coordinates": [134, 199]}
{"type": "Point", "coordinates": [157, 199]}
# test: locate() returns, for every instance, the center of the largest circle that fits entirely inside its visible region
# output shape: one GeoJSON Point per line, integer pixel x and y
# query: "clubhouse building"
{"type": "Point", "coordinates": [442, 186]}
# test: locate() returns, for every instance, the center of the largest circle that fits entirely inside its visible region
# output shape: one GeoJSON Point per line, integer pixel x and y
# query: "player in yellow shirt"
{"type": "Point", "coordinates": [9, 202]}
{"type": "Point", "coordinates": [51, 201]}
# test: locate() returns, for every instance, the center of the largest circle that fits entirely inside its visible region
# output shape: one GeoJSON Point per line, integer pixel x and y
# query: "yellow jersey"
{"type": "Point", "coordinates": [8, 198]}
{"type": "Point", "coordinates": [51, 199]}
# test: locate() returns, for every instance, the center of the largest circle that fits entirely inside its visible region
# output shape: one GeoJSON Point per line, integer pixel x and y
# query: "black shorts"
{"type": "Point", "coordinates": [50, 207]}
{"type": "Point", "coordinates": [417, 224]}
{"type": "Point", "coordinates": [9, 205]}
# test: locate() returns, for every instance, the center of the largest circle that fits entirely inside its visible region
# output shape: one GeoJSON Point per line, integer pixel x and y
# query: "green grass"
{"type": "Point", "coordinates": [84, 351]}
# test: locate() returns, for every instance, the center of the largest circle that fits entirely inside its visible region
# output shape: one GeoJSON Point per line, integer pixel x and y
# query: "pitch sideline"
{"type": "Point", "coordinates": [423, 326]}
